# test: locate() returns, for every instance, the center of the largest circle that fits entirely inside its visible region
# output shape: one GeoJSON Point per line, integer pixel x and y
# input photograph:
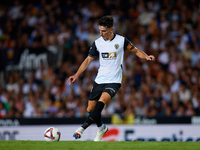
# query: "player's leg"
{"type": "Point", "coordinates": [94, 96]}
{"type": "Point", "coordinates": [90, 108]}
{"type": "Point", "coordinates": [105, 97]}
{"type": "Point", "coordinates": [108, 93]}
{"type": "Point", "coordinates": [91, 105]}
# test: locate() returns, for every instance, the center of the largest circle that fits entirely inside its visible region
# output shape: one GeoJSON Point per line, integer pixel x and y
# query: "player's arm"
{"type": "Point", "coordinates": [130, 47]}
{"type": "Point", "coordinates": [81, 69]}
{"type": "Point", "coordinates": [141, 54]}
{"type": "Point", "coordinates": [92, 53]}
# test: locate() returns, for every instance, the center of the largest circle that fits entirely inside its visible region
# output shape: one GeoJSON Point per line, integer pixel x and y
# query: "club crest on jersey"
{"type": "Point", "coordinates": [109, 56]}
{"type": "Point", "coordinates": [116, 46]}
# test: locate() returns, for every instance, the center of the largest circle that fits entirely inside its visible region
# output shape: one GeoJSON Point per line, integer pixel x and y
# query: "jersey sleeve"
{"type": "Point", "coordinates": [93, 50]}
{"type": "Point", "coordinates": [128, 45]}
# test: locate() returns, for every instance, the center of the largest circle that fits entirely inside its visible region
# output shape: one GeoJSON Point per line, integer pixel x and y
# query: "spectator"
{"type": "Point", "coordinates": [195, 57]}
{"type": "Point", "coordinates": [12, 86]}
{"type": "Point", "coordinates": [167, 87]}
{"type": "Point", "coordinates": [184, 93]}
{"type": "Point", "coordinates": [30, 85]}
{"type": "Point", "coordinates": [2, 110]}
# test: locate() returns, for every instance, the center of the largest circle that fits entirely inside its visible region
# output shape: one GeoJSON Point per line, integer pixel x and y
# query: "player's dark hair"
{"type": "Point", "coordinates": [106, 21]}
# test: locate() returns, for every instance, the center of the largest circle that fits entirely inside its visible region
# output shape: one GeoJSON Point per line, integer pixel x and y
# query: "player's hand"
{"type": "Point", "coordinates": [150, 57]}
{"type": "Point", "coordinates": [72, 79]}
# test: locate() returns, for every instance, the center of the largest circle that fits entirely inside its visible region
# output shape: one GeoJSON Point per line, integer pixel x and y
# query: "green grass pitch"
{"type": "Point", "coordinates": [90, 145]}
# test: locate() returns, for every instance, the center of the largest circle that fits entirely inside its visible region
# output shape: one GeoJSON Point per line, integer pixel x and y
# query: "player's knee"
{"type": "Point", "coordinates": [89, 109]}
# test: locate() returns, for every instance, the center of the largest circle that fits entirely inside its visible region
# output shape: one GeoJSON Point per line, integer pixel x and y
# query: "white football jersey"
{"type": "Point", "coordinates": [111, 54]}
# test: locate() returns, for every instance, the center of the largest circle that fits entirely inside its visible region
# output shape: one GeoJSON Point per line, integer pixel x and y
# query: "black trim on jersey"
{"type": "Point", "coordinates": [126, 42]}
{"type": "Point", "coordinates": [93, 50]}
{"type": "Point", "coordinates": [113, 37]}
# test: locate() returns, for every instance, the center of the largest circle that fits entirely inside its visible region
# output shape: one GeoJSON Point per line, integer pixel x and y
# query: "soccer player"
{"type": "Point", "coordinates": [110, 49]}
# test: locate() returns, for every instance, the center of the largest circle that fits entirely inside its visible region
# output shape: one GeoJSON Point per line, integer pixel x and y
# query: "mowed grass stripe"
{"type": "Point", "coordinates": [90, 145]}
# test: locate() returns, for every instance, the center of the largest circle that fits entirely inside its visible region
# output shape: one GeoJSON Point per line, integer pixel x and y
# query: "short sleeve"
{"type": "Point", "coordinates": [128, 45]}
{"type": "Point", "coordinates": [93, 50]}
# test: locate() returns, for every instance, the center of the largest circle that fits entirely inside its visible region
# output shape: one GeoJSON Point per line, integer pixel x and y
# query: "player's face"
{"type": "Point", "coordinates": [105, 32]}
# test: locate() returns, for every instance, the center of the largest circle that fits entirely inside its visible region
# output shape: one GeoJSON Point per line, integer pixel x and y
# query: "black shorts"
{"type": "Point", "coordinates": [98, 89]}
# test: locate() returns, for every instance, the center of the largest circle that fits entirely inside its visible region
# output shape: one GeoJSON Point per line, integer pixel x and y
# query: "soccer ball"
{"type": "Point", "coordinates": [52, 134]}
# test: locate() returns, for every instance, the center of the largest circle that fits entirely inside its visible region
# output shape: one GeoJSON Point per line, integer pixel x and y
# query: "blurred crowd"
{"type": "Point", "coordinates": [167, 29]}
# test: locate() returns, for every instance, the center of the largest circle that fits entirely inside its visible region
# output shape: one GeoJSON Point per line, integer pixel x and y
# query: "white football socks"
{"type": "Point", "coordinates": [81, 128]}
{"type": "Point", "coordinates": [101, 127]}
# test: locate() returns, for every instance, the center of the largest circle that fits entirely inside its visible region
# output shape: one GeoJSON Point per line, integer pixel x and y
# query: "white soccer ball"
{"type": "Point", "coordinates": [52, 134]}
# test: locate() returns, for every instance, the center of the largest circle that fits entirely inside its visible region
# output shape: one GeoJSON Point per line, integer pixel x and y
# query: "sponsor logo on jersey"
{"type": "Point", "coordinates": [109, 56]}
